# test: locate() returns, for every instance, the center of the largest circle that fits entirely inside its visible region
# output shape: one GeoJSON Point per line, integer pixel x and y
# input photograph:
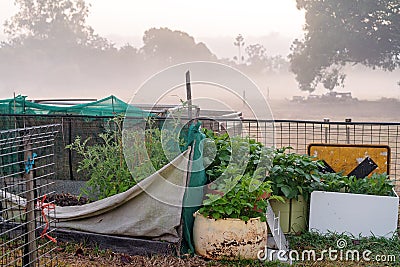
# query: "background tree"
{"type": "Point", "coordinates": [239, 42]}
{"type": "Point", "coordinates": [259, 62]}
{"type": "Point", "coordinates": [62, 22]}
{"type": "Point", "coordinates": [165, 47]}
{"type": "Point", "coordinates": [256, 56]}
{"type": "Point", "coordinates": [278, 64]}
{"type": "Point", "coordinates": [338, 32]}
{"type": "Point", "coordinates": [50, 43]}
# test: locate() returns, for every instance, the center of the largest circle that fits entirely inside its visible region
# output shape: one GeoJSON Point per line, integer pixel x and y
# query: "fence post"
{"type": "Point", "coordinates": [71, 171]}
{"type": "Point", "coordinates": [326, 126]}
{"type": "Point", "coordinates": [348, 130]}
{"type": "Point", "coordinates": [30, 244]}
{"type": "Point", "coordinates": [189, 95]}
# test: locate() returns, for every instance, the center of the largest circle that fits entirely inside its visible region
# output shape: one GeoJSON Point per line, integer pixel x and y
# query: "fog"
{"type": "Point", "coordinates": [81, 64]}
{"type": "Point", "coordinates": [91, 73]}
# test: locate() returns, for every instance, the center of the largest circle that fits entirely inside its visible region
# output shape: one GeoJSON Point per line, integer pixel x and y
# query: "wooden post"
{"type": "Point", "coordinates": [30, 207]}
{"type": "Point", "coordinates": [71, 171]}
{"type": "Point", "coordinates": [189, 95]}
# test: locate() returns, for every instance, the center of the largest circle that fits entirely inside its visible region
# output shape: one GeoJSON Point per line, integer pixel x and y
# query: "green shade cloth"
{"type": "Point", "coordinates": [109, 106]}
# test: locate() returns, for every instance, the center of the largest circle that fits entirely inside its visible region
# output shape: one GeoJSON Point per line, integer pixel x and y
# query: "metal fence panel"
{"type": "Point", "coordinates": [26, 164]}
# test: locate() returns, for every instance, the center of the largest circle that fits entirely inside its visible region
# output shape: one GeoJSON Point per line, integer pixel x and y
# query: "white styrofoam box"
{"type": "Point", "coordinates": [353, 214]}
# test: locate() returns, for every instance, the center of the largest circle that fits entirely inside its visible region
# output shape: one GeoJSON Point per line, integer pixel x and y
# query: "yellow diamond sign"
{"type": "Point", "coordinates": [358, 160]}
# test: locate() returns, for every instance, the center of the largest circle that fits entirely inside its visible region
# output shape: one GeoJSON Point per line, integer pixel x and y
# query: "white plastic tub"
{"type": "Point", "coordinates": [353, 214]}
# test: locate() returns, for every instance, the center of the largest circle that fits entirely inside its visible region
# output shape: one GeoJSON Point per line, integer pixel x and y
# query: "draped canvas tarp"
{"type": "Point", "coordinates": [151, 209]}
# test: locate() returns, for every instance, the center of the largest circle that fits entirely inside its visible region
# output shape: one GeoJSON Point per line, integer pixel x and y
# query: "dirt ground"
{"type": "Point", "coordinates": [69, 255]}
{"type": "Point", "coordinates": [81, 256]}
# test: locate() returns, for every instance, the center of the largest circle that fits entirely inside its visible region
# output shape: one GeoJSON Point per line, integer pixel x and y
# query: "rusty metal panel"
{"type": "Point", "coordinates": [353, 159]}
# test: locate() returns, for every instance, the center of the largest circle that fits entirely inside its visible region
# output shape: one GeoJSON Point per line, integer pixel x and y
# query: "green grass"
{"type": "Point", "coordinates": [69, 254]}
{"type": "Point", "coordinates": [245, 263]}
{"type": "Point", "coordinates": [379, 249]}
{"type": "Point", "coordinates": [377, 246]}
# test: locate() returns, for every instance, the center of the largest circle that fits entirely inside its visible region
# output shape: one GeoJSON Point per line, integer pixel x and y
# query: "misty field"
{"type": "Point", "coordinates": [358, 111]}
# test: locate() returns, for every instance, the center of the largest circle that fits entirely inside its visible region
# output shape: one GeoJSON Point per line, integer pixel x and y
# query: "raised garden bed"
{"type": "Point", "coordinates": [128, 245]}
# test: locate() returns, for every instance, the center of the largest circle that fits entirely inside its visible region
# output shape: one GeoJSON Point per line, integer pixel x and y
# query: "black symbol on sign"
{"type": "Point", "coordinates": [364, 168]}
{"type": "Point", "coordinates": [326, 168]}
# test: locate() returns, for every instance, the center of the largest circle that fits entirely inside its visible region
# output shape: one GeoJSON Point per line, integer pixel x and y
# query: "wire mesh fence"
{"type": "Point", "coordinates": [300, 134]}
{"type": "Point", "coordinates": [66, 161]}
{"type": "Point", "coordinates": [26, 165]}
{"type": "Point", "coordinates": [297, 134]}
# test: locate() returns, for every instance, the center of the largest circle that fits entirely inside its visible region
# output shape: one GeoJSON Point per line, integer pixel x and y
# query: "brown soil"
{"type": "Point", "coordinates": [66, 199]}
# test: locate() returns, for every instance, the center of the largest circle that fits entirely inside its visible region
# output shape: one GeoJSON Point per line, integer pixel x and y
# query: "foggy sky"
{"type": "Point", "coordinates": [273, 24]}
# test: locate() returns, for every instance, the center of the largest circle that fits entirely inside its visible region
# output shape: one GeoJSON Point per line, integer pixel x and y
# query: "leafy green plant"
{"type": "Point", "coordinates": [244, 200]}
{"type": "Point", "coordinates": [108, 172]}
{"type": "Point", "coordinates": [218, 157]}
{"type": "Point", "coordinates": [377, 184]}
{"type": "Point", "coordinates": [293, 174]}
{"type": "Point", "coordinates": [105, 162]}
{"type": "Point", "coordinates": [330, 182]}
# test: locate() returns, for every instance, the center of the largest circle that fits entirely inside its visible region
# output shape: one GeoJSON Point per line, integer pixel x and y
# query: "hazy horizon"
{"type": "Point", "coordinates": [123, 21]}
{"type": "Point", "coordinates": [272, 24]}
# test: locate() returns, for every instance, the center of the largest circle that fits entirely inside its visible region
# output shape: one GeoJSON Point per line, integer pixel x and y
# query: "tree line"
{"type": "Point", "coordinates": [49, 42]}
{"type": "Point", "coordinates": [50, 45]}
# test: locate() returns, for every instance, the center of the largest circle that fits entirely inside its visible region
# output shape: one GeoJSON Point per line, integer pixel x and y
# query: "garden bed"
{"type": "Point", "coordinates": [119, 244]}
{"type": "Point", "coordinates": [67, 199]}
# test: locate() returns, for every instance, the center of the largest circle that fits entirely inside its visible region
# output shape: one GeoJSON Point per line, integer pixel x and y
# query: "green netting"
{"type": "Point", "coordinates": [109, 106]}
{"type": "Point", "coordinates": [194, 192]}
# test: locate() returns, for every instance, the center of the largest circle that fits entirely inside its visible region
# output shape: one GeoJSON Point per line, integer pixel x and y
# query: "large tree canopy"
{"type": "Point", "coordinates": [338, 32]}
{"type": "Point", "coordinates": [62, 22]}
{"type": "Point", "coordinates": [169, 47]}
